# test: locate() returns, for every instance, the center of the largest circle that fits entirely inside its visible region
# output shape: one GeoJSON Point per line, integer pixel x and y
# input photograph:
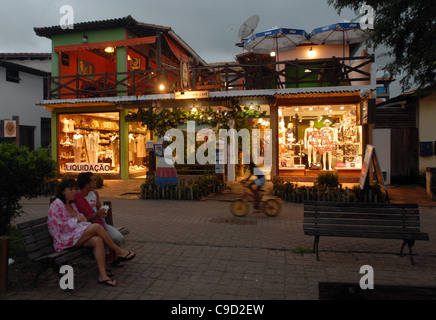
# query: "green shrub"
{"type": "Point", "coordinates": [327, 179]}
{"type": "Point", "coordinates": [24, 173]}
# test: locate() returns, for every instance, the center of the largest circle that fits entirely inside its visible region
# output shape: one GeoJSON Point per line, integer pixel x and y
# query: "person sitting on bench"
{"type": "Point", "coordinates": [69, 228]}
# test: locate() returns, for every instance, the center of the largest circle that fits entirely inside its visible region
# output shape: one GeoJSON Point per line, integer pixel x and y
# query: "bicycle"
{"type": "Point", "coordinates": [241, 207]}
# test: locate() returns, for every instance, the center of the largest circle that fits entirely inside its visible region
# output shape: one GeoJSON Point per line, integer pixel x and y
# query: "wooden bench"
{"type": "Point", "coordinates": [39, 244]}
{"type": "Point", "coordinates": [383, 221]}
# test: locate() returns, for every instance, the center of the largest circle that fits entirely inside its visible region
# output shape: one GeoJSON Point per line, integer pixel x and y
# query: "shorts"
{"type": "Point", "coordinates": [260, 181]}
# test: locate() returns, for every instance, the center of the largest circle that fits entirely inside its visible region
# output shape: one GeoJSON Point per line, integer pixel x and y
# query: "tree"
{"type": "Point", "coordinates": [23, 173]}
{"type": "Point", "coordinates": [165, 119]}
{"type": "Point", "coordinates": [407, 28]}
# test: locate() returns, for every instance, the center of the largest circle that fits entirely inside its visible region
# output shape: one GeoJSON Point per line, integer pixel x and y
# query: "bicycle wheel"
{"type": "Point", "coordinates": [239, 207]}
{"type": "Point", "coordinates": [272, 207]}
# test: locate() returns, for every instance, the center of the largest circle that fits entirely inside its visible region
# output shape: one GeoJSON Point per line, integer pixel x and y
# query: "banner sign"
{"type": "Point", "coordinates": [88, 167]}
{"type": "Point", "coordinates": [191, 95]}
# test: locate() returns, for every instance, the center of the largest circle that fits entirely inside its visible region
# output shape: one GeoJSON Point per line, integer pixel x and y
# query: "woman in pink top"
{"type": "Point", "coordinates": [69, 228]}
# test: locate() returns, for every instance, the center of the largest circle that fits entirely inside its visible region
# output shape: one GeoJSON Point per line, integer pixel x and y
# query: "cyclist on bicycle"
{"type": "Point", "coordinates": [256, 184]}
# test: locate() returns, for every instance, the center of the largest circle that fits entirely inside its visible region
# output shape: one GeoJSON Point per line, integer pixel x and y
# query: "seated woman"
{"type": "Point", "coordinates": [69, 228]}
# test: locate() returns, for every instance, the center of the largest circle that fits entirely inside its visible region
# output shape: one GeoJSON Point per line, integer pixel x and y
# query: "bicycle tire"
{"type": "Point", "coordinates": [239, 207]}
{"type": "Point", "coordinates": [272, 207]}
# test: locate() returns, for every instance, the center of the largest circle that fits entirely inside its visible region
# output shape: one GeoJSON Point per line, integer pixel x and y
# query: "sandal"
{"type": "Point", "coordinates": [126, 258]}
{"type": "Point", "coordinates": [106, 282]}
{"type": "Point", "coordinates": [109, 273]}
{"type": "Point", "coordinates": [117, 264]}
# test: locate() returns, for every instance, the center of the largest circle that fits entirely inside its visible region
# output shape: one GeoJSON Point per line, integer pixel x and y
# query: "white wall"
{"type": "Point", "coordinates": [427, 131]}
{"type": "Point", "coordinates": [382, 143]}
{"type": "Point", "coordinates": [19, 99]}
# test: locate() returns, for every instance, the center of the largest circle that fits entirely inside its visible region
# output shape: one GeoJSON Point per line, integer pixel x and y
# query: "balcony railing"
{"type": "Point", "coordinates": [331, 72]}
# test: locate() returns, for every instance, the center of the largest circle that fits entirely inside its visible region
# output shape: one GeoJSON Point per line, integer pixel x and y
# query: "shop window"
{"type": "Point", "coordinates": [27, 137]}
{"type": "Point", "coordinates": [140, 159]}
{"type": "Point", "coordinates": [12, 75]}
{"type": "Point", "coordinates": [45, 132]}
{"type": "Point", "coordinates": [319, 138]}
{"type": "Point", "coordinates": [89, 142]}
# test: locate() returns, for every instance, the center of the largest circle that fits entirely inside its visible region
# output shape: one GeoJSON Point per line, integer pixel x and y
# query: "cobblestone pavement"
{"type": "Point", "coordinates": [198, 250]}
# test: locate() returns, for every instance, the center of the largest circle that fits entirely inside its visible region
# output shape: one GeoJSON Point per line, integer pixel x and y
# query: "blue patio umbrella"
{"type": "Point", "coordinates": [339, 33]}
{"type": "Point", "coordinates": [277, 40]}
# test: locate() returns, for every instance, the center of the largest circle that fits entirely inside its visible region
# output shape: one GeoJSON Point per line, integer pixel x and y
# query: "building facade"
{"type": "Point", "coordinates": [23, 80]}
{"type": "Point", "coordinates": [102, 71]}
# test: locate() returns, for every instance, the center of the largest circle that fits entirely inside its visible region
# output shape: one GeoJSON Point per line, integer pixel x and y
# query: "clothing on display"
{"type": "Point", "coordinates": [165, 170]}
{"type": "Point", "coordinates": [320, 141]}
{"type": "Point", "coordinates": [89, 139]}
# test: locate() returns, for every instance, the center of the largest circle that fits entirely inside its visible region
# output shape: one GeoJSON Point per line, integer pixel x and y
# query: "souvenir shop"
{"type": "Point", "coordinates": [90, 141]}
{"type": "Point", "coordinates": [319, 137]}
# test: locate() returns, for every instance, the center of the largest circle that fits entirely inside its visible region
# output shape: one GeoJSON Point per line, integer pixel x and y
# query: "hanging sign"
{"type": "Point", "coordinates": [191, 95]}
{"type": "Point", "coordinates": [8, 129]}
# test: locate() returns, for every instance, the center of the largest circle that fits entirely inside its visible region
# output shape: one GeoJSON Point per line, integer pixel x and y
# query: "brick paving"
{"type": "Point", "coordinates": [197, 250]}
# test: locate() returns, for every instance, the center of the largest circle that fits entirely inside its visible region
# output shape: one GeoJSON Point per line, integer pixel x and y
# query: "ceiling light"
{"type": "Point", "coordinates": [311, 53]}
{"type": "Point", "coordinates": [109, 50]}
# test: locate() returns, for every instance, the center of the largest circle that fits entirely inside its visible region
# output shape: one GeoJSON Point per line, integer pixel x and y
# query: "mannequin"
{"type": "Point", "coordinates": [290, 133]}
{"type": "Point", "coordinates": [77, 146]}
{"type": "Point", "coordinates": [329, 138]}
{"type": "Point", "coordinates": [65, 127]}
{"type": "Point", "coordinates": [115, 143]}
{"type": "Point", "coordinates": [282, 137]}
{"type": "Point", "coordinates": [310, 142]}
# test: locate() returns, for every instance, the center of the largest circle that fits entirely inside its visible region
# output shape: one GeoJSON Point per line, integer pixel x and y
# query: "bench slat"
{"type": "Point", "coordinates": [369, 222]}
{"type": "Point", "coordinates": [31, 223]}
{"type": "Point", "coordinates": [361, 205]}
{"type": "Point", "coordinates": [372, 228]}
{"type": "Point", "coordinates": [352, 216]}
{"type": "Point", "coordinates": [374, 234]}
{"type": "Point", "coordinates": [394, 211]}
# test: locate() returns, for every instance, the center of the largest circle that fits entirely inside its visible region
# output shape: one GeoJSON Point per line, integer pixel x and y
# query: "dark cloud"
{"type": "Point", "coordinates": [210, 27]}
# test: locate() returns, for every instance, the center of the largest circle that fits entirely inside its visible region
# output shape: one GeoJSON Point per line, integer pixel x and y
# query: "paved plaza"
{"type": "Point", "coordinates": [198, 250]}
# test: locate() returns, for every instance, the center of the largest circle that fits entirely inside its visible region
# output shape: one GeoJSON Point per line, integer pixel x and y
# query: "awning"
{"type": "Point", "coordinates": [104, 44]}
{"type": "Point", "coordinates": [178, 52]}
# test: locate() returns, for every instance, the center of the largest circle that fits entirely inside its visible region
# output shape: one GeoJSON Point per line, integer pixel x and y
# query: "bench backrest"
{"type": "Point", "coordinates": [381, 217]}
{"type": "Point", "coordinates": [36, 237]}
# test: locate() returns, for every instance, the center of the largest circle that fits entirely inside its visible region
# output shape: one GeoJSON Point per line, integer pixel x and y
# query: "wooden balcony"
{"type": "Point", "coordinates": [331, 72]}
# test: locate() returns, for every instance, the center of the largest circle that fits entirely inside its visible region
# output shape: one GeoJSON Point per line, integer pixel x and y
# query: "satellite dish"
{"type": "Point", "coordinates": [247, 28]}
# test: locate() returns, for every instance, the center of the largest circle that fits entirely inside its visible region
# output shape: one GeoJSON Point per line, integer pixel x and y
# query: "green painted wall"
{"type": "Point", "coordinates": [94, 36]}
{"type": "Point", "coordinates": [76, 38]}
{"type": "Point", "coordinates": [124, 145]}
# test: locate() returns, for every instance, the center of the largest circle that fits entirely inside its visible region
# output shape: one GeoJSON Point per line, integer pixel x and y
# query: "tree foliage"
{"type": "Point", "coordinates": [23, 173]}
{"type": "Point", "coordinates": [163, 120]}
{"type": "Point", "coordinates": [408, 29]}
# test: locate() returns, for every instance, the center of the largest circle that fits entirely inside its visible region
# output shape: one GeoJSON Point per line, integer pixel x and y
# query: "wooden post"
{"type": "Point", "coordinates": [274, 125]}
{"type": "Point", "coordinates": [4, 263]}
